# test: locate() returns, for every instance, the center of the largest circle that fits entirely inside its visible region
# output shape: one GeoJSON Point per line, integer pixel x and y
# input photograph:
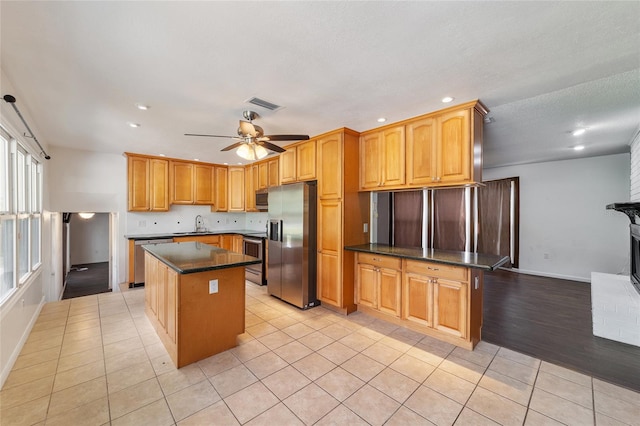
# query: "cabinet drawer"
{"type": "Point", "coordinates": [439, 270]}
{"type": "Point", "coordinates": [379, 260]}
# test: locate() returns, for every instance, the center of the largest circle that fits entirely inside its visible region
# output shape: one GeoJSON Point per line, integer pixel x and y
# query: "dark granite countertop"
{"type": "Point", "coordinates": [246, 232]}
{"type": "Point", "coordinates": [486, 262]}
{"type": "Point", "coordinates": [192, 257]}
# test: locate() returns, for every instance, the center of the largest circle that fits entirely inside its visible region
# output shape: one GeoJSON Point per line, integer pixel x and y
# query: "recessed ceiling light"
{"type": "Point", "coordinates": [240, 164]}
{"type": "Point", "coordinates": [381, 120]}
{"type": "Point", "coordinates": [196, 159]}
{"type": "Point", "coordinates": [447, 99]}
{"type": "Point", "coordinates": [578, 132]}
{"type": "Point", "coordinates": [134, 125]}
{"type": "Point", "coordinates": [226, 164]}
{"type": "Point", "coordinates": [162, 155]}
{"type": "Point", "coordinates": [142, 107]}
{"type": "Point", "coordinates": [578, 147]}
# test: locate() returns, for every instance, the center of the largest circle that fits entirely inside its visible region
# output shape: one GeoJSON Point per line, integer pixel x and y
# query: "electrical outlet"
{"type": "Point", "coordinates": [546, 256]}
{"type": "Point", "coordinates": [213, 286]}
{"type": "Point", "coordinates": [142, 223]}
{"type": "Point", "coordinates": [365, 228]}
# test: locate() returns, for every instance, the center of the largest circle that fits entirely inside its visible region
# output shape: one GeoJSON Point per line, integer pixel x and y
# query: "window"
{"type": "Point", "coordinates": [20, 214]}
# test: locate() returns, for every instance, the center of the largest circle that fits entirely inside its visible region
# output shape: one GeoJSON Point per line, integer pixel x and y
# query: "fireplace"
{"type": "Point", "coordinates": [632, 210]}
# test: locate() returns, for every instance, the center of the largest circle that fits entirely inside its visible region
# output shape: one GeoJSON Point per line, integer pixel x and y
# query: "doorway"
{"type": "Point", "coordinates": [87, 254]}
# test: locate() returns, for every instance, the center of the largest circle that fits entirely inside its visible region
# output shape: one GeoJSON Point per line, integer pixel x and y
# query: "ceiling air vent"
{"type": "Point", "coordinates": [264, 104]}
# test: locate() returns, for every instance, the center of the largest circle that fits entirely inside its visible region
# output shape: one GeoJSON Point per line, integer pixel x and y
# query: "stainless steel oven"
{"type": "Point", "coordinates": [254, 246]}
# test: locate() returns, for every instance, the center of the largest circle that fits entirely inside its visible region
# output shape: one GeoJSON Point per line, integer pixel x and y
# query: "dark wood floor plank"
{"type": "Point", "coordinates": [550, 319]}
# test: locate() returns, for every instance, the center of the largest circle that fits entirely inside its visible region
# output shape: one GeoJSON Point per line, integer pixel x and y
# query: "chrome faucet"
{"type": "Point", "coordinates": [199, 227]}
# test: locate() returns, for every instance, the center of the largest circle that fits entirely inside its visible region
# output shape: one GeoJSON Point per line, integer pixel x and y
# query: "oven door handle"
{"type": "Point", "coordinates": [253, 240]}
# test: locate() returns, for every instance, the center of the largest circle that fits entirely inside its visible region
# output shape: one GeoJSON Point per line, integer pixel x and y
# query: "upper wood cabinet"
{"type": "Point", "coordinates": [249, 190]}
{"type": "Point", "coordinates": [443, 148]}
{"type": "Point", "coordinates": [191, 183]}
{"type": "Point", "coordinates": [382, 158]}
{"type": "Point", "coordinates": [330, 174]}
{"type": "Point", "coordinates": [221, 202]}
{"type": "Point", "coordinates": [273, 178]}
{"type": "Point", "coordinates": [288, 165]}
{"type": "Point", "coordinates": [236, 189]}
{"type": "Point", "coordinates": [148, 183]}
{"type": "Point", "coordinates": [298, 162]}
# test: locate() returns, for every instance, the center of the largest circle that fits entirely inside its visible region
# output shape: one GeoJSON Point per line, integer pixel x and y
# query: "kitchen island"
{"type": "Point", "coordinates": [435, 292]}
{"type": "Point", "coordinates": [195, 298]}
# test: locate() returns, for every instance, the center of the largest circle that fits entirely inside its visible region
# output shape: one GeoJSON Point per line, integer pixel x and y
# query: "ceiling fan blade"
{"type": "Point", "coordinates": [271, 146]}
{"type": "Point", "coordinates": [246, 129]}
{"type": "Point", "coordinates": [210, 136]}
{"type": "Point", "coordinates": [230, 147]}
{"type": "Point", "coordinates": [287, 137]}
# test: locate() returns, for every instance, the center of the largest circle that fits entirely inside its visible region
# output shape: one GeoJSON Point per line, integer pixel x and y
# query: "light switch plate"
{"type": "Point", "coordinates": [213, 286]}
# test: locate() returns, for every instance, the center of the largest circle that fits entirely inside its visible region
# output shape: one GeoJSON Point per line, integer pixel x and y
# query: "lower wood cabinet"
{"type": "Point", "coordinates": [440, 300]}
{"type": "Point", "coordinates": [378, 283]}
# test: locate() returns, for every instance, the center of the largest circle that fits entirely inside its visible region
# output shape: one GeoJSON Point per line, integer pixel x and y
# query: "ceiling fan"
{"type": "Point", "coordinates": [252, 142]}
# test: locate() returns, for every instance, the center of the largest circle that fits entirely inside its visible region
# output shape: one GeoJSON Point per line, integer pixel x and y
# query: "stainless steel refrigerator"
{"type": "Point", "coordinates": [291, 252]}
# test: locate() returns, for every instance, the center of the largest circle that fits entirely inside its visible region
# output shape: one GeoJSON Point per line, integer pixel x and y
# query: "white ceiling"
{"type": "Point", "coordinates": [542, 68]}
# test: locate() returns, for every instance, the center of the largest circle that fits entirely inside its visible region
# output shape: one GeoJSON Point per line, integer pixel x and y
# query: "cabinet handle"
{"type": "Point", "coordinates": [432, 269]}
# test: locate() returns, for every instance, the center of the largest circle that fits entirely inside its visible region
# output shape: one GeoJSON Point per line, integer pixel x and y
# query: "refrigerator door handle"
{"type": "Point", "coordinates": [280, 227]}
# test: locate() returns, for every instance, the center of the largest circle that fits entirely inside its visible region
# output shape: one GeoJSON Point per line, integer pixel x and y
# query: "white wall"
{"type": "Point", "coordinates": [92, 182]}
{"type": "Point", "coordinates": [565, 230]}
{"type": "Point", "coordinates": [19, 312]}
{"type": "Point", "coordinates": [635, 168]}
{"type": "Point", "coordinates": [89, 239]}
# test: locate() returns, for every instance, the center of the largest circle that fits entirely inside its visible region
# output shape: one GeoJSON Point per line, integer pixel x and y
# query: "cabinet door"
{"type": "Point", "coordinates": [306, 161]}
{"type": "Point", "coordinates": [204, 189]}
{"type": "Point", "coordinates": [389, 290]}
{"type": "Point", "coordinates": [330, 252]}
{"type": "Point", "coordinates": [249, 191]}
{"type": "Point", "coordinates": [393, 156]}
{"type": "Point", "coordinates": [171, 302]}
{"type": "Point", "coordinates": [417, 299]}
{"type": "Point", "coordinates": [370, 161]}
{"type": "Point", "coordinates": [182, 182]}
{"type": "Point", "coordinates": [450, 307]}
{"type": "Point", "coordinates": [255, 171]}
{"type": "Point", "coordinates": [236, 189]}
{"type": "Point", "coordinates": [274, 179]}
{"type": "Point", "coordinates": [366, 285]}
{"type": "Point", "coordinates": [161, 286]}
{"type": "Point", "coordinates": [151, 283]}
{"type": "Point", "coordinates": [221, 204]}
{"type": "Point", "coordinates": [454, 147]}
{"type": "Point", "coordinates": [226, 242]}
{"type": "Point", "coordinates": [138, 181]}
{"type": "Point", "coordinates": [159, 185]}
{"type": "Point", "coordinates": [421, 152]}
{"type": "Point", "coordinates": [288, 165]}
{"type": "Point", "coordinates": [330, 167]}
{"type": "Point", "coordinates": [263, 175]}
{"type": "Point", "coordinates": [237, 245]}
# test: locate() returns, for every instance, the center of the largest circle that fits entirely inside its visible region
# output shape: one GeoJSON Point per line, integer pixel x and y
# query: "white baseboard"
{"type": "Point", "coordinates": [549, 275]}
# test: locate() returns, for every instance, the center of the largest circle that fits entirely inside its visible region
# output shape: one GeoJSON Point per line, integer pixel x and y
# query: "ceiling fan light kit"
{"type": "Point", "coordinates": [252, 142]}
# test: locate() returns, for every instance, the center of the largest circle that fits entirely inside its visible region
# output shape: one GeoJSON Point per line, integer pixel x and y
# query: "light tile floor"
{"type": "Point", "coordinates": [96, 360]}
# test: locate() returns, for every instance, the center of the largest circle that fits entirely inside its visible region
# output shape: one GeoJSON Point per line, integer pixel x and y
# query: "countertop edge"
{"type": "Point", "coordinates": [244, 232]}
{"type": "Point", "coordinates": [485, 267]}
{"type": "Point", "coordinates": [203, 269]}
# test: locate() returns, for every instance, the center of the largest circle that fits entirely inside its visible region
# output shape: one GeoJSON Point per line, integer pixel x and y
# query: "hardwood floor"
{"type": "Point", "coordinates": [550, 319]}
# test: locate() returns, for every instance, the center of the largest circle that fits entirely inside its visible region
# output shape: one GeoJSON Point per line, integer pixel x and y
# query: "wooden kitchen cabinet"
{"type": "Point", "coordinates": [435, 296]}
{"type": "Point", "coordinates": [204, 187]}
{"type": "Point", "coordinates": [421, 152]}
{"type": "Point", "coordinates": [148, 183]}
{"type": "Point", "coordinates": [213, 240]}
{"type": "Point", "coordinates": [236, 189]}
{"type": "Point", "coordinates": [263, 175]}
{"type": "Point", "coordinates": [231, 242]}
{"type": "Point", "coordinates": [249, 190]}
{"type": "Point", "coordinates": [330, 177]}
{"type": "Point", "coordinates": [342, 210]}
{"type": "Point", "coordinates": [237, 244]}
{"type": "Point", "coordinates": [329, 252]}
{"type": "Point", "coordinates": [182, 182]}
{"type": "Point", "coordinates": [453, 159]}
{"type": "Point", "coordinates": [288, 165]}
{"type": "Point", "coordinates": [382, 163]}
{"type": "Point", "coordinates": [191, 183]}
{"type": "Point", "coordinates": [221, 203]}
{"type": "Point", "coordinates": [274, 179]}
{"type": "Point", "coordinates": [298, 162]}
{"type": "Point", "coordinates": [379, 283]}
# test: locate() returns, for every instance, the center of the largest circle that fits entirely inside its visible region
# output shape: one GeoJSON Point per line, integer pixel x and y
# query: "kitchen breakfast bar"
{"type": "Point", "coordinates": [195, 298]}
